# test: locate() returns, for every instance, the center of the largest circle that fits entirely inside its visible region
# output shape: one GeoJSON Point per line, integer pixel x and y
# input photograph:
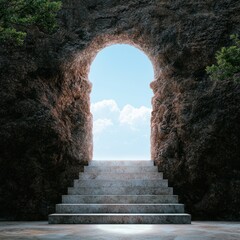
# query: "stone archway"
{"type": "Point", "coordinates": [45, 116]}
{"type": "Point", "coordinates": [80, 66]}
{"type": "Point", "coordinates": [165, 86]}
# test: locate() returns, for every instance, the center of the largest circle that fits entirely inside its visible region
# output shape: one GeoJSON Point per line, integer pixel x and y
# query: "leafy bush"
{"type": "Point", "coordinates": [228, 62]}
{"type": "Point", "coordinates": [17, 15]}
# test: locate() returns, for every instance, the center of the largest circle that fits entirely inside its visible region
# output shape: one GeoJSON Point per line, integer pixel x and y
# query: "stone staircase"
{"type": "Point", "coordinates": [118, 192]}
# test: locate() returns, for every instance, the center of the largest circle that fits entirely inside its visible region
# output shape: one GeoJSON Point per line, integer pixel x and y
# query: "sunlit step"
{"type": "Point", "coordinates": [121, 176]}
{"type": "Point", "coordinates": [120, 169]}
{"type": "Point", "coordinates": [120, 191]}
{"type": "Point", "coordinates": [122, 163]}
{"type": "Point", "coordinates": [120, 183]}
{"type": "Point", "coordinates": [120, 208]}
{"type": "Point", "coordinates": [118, 218]}
{"type": "Point", "coordinates": [120, 199]}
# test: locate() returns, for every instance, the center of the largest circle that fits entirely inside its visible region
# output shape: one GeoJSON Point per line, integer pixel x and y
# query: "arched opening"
{"type": "Point", "coordinates": [76, 74]}
{"type": "Point", "coordinates": [121, 103]}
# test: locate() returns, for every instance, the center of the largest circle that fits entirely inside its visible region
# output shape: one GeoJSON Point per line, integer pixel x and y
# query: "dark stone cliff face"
{"type": "Point", "coordinates": [43, 133]}
{"type": "Point", "coordinates": [199, 150]}
{"type": "Point", "coordinates": [45, 119]}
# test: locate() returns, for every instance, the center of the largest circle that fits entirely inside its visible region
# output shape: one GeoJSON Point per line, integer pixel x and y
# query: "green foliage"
{"type": "Point", "coordinates": [17, 15]}
{"type": "Point", "coordinates": [228, 62]}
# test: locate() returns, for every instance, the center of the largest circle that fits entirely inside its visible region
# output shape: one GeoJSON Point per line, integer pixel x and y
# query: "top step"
{"type": "Point", "coordinates": [121, 163]}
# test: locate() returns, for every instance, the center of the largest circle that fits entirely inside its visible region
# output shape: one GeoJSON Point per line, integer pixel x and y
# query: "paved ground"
{"type": "Point", "coordinates": [195, 231]}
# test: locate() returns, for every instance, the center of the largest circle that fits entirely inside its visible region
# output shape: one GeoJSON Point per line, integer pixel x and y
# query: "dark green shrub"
{"type": "Point", "coordinates": [17, 15]}
{"type": "Point", "coordinates": [228, 62]}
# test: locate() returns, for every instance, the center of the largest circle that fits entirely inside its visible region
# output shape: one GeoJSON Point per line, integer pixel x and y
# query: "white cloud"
{"type": "Point", "coordinates": [107, 113]}
{"type": "Point", "coordinates": [110, 105]}
{"type": "Point", "coordinates": [134, 116]}
{"type": "Point", "coordinates": [105, 109]}
{"type": "Point", "coordinates": [101, 124]}
{"type": "Point", "coordinates": [120, 132]}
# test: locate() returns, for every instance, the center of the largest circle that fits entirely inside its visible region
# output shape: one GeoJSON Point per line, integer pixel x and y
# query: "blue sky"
{"type": "Point", "coordinates": [121, 103]}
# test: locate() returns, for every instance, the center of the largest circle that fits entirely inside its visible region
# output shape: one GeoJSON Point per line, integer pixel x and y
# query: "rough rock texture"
{"type": "Point", "coordinates": [46, 125]}
{"type": "Point", "coordinates": [199, 149]}
{"type": "Point", "coordinates": [45, 132]}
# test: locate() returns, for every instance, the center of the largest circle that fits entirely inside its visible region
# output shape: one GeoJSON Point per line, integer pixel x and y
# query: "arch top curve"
{"type": "Point", "coordinates": [127, 57]}
{"type": "Point", "coordinates": [82, 59]}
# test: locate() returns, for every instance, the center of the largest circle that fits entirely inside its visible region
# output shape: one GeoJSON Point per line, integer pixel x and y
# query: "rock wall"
{"type": "Point", "coordinates": [46, 124]}
{"type": "Point", "coordinates": [198, 148]}
{"type": "Point", "coordinates": [45, 130]}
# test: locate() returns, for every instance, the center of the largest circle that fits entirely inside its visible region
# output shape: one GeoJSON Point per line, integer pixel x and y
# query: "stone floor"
{"type": "Point", "coordinates": [195, 231]}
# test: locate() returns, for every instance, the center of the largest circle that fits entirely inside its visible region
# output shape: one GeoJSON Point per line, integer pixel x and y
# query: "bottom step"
{"type": "Point", "coordinates": [119, 219]}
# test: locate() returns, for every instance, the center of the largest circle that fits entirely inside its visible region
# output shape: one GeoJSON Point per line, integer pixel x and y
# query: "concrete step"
{"type": "Point", "coordinates": [120, 191]}
{"type": "Point", "coordinates": [120, 169]}
{"type": "Point", "coordinates": [120, 183]}
{"type": "Point", "coordinates": [119, 208]}
{"type": "Point", "coordinates": [121, 176]}
{"type": "Point", "coordinates": [137, 218]}
{"type": "Point", "coordinates": [122, 163]}
{"type": "Point", "coordinates": [120, 199]}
